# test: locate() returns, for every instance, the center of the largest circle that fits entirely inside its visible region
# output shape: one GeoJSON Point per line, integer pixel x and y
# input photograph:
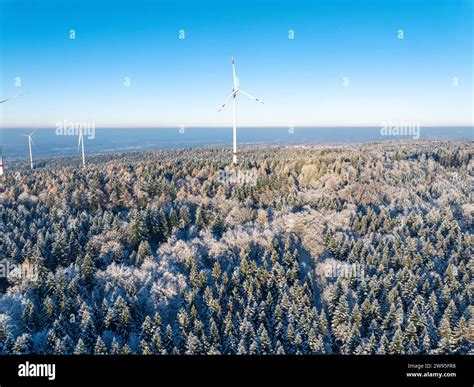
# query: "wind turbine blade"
{"type": "Point", "coordinates": [233, 72]}
{"type": "Point", "coordinates": [9, 98]}
{"type": "Point", "coordinates": [250, 96]}
{"type": "Point", "coordinates": [31, 139]}
{"type": "Point", "coordinates": [227, 100]}
{"type": "Point", "coordinates": [33, 132]}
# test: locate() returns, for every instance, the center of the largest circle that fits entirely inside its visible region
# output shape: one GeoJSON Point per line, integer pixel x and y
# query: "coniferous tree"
{"type": "Point", "coordinates": [100, 348]}
{"type": "Point", "coordinates": [80, 348]}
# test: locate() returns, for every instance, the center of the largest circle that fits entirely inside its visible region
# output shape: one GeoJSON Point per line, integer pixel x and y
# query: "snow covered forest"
{"type": "Point", "coordinates": [357, 249]}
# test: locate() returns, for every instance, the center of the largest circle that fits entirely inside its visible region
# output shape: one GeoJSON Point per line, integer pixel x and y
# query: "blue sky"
{"type": "Point", "coordinates": [182, 82]}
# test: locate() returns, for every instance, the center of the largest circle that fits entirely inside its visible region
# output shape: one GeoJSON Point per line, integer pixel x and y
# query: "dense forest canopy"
{"type": "Point", "coordinates": [362, 249]}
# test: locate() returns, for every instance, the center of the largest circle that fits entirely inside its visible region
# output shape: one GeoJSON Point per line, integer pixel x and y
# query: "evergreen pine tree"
{"type": "Point", "coordinates": [80, 348]}
{"type": "Point", "coordinates": [100, 348]}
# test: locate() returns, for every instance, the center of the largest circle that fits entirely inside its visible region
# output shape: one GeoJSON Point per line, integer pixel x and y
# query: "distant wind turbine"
{"type": "Point", "coordinates": [233, 95]}
{"type": "Point", "coordinates": [81, 142]}
{"type": "Point", "coordinates": [1, 161]}
{"type": "Point", "coordinates": [1, 149]}
{"type": "Point", "coordinates": [30, 143]}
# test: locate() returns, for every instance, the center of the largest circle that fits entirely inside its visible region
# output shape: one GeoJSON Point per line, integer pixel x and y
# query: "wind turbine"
{"type": "Point", "coordinates": [1, 161]}
{"type": "Point", "coordinates": [235, 90]}
{"type": "Point", "coordinates": [1, 149]}
{"type": "Point", "coordinates": [81, 142]}
{"type": "Point", "coordinates": [30, 143]}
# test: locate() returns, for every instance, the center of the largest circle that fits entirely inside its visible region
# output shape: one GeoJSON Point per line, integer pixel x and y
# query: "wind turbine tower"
{"type": "Point", "coordinates": [235, 90]}
{"type": "Point", "coordinates": [81, 144]}
{"type": "Point", "coordinates": [30, 143]}
{"type": "Point", "coordinates": [1, 161]}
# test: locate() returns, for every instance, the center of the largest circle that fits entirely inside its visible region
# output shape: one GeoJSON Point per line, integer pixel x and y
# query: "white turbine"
{"type": "Point", "coordinates": [1, 161]}
{"type": "Point", "coordinates": [30, 143]}
{"type": "Point", "coordinates": [235, 90]}
{"type": "Point", "coordinates": [1, 150]}
{"type": "Point", "coordinates": [81, 142]}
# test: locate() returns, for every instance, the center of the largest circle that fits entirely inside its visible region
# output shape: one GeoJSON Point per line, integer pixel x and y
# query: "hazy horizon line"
{"type": "Point", "coordinates": [248, 127]}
